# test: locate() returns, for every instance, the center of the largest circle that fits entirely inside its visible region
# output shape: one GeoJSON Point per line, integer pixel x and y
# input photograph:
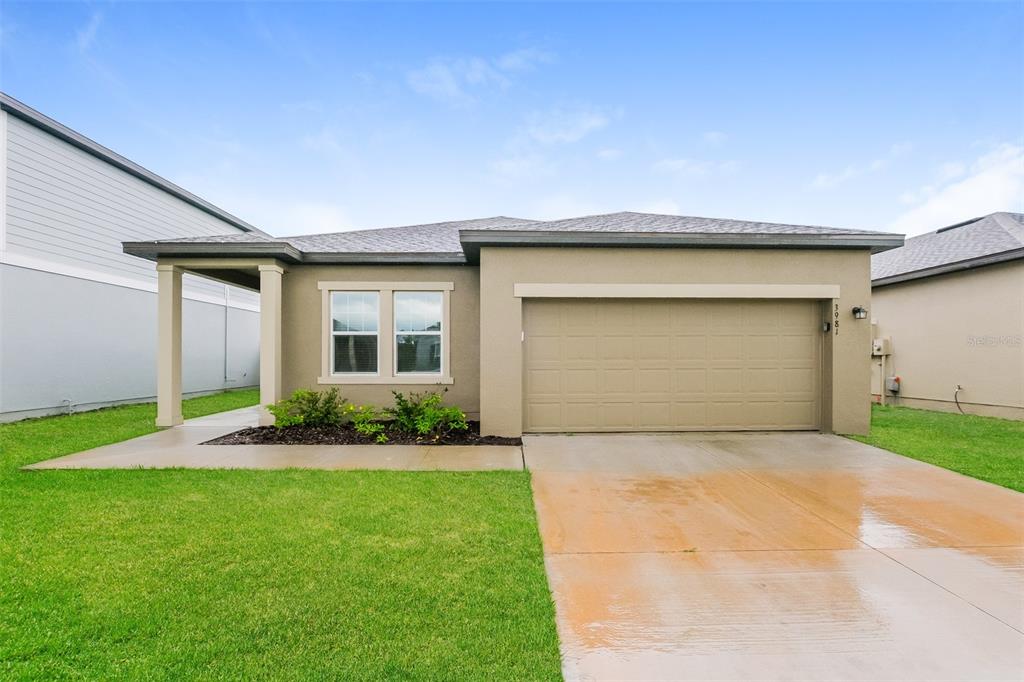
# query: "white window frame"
{"type": "Point", "coordinates": [439, 334]}
{"type": "Point", "coordinates": [386, 355]}
{"type": "Point", "coordinates": [334, 333]}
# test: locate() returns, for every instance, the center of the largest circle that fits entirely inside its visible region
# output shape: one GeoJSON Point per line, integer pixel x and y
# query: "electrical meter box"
{"type": "Point", "coordinates": [882, 346]}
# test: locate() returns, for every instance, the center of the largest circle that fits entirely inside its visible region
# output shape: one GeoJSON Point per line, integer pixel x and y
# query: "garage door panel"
{"type": "Point", "coordinates": [671, 364]}
{"type": "Point", "coordinates": [689, 347]}
{"type": "Point", "coordinates": [651, 380]}
{"type": "Point", "coordinates": [726, 347]}
{"type": "Point", "coordinates": [690, 381]}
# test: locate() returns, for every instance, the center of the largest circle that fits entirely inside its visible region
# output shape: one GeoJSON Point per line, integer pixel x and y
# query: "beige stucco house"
{"type": "Point", "coordinates": [615, 322]}
{"type": "Point", "coordinates": [952, 304]}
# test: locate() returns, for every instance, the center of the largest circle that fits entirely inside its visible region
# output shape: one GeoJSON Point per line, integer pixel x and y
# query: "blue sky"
{"type": "Point", "coordinates": [318, 117]}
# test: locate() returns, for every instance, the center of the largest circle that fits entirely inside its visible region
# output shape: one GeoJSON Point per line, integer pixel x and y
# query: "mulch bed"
{"type": "Point", "coordinates": [346, 435]}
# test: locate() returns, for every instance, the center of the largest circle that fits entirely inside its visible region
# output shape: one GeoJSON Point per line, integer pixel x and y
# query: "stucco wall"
{"type": "Point", "coordinates": [846, 372]}
{"type": "Point", "coordinates": [302, 336]}
{"type": "Point", "coordinates": [964, 328]}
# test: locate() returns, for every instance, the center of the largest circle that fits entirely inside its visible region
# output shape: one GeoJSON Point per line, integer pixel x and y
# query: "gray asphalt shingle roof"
{"type": "Point", "coordinates": [982, 238]}
{"type": "Point", "coordinates": [444, 237]}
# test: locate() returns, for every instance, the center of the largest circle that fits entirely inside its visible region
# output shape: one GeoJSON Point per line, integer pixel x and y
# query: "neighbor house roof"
{"type": "Point", "coordinates": [460, 241]}
{"type": "Point", "coordinates": [26, 113]}
{"type": "Point", "coordinates": [994, 238]}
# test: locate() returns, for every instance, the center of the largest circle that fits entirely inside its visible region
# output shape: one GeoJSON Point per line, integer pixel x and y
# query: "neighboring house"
{"type": "Point", "coordinates": [615, 322]}
{"type": "Point", "coordinates": [78, 316]}
{"type": "Point", "coordinates": [952, 302]}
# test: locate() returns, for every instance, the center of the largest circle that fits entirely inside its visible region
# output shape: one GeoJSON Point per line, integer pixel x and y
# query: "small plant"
{"type": "Point", "coordinates": [309, 408]}
{"type": "Point", "coordinates": [423, 414]}
{"type": "Point", "coordinates": [366, 420]}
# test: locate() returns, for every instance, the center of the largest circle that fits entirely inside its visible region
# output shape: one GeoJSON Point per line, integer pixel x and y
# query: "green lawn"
{"type": "Point", "coordinates": [246, 574]}
{"type": "Point", "coordinates": [983, 447]}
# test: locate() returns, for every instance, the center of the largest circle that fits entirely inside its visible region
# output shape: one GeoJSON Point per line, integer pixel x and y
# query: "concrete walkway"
{"type": "Point", "coordinates": [180, 446]}
{"type": "Point", "coordinates": [775, 556]}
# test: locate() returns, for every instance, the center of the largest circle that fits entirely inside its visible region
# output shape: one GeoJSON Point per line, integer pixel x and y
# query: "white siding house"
{"type": "Point", "coordinates": [78, 316]}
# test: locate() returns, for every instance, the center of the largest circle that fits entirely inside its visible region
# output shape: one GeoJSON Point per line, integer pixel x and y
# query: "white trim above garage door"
{"type": "Point", "coordinates": [671, 364]}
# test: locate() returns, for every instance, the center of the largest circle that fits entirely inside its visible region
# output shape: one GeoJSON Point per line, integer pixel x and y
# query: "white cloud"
{"type": "Point", "coordinates": [561, 126]}
{"type": "Point", "coordinates": [993, 182]}
{"type": "Point", "coordinates": [831, 180]}
{"type": "Point", "coordinates": [695, 168]}
{"type": "Point", "coordinates": [85, 37]}
{"type": "Point", "coordinates": [527, 152]}
{"type": "Point", "coordinates": [452, 80]}
{"type": "Point", "coordinates": [609, 153]}
{"type": "Point", "coordinates": [714, 137]}
{"type": "Point", "coordinates": [459, 81]}
{"type": "Point", "coordinates": [525, 59]}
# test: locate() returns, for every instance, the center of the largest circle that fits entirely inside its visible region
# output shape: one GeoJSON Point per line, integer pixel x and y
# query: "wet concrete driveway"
{"type": "Point", "coordinates": [775, 556]}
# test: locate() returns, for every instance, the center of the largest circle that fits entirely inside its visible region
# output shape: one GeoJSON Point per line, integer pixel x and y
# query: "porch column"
{"type": "Point", "coordinates": [168, 375]}
{"type": "Point", "coordinates": [270, 339]}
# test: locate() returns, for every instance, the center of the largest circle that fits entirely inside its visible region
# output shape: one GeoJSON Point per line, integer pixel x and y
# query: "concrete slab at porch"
{"type": "Point", "coordinates": [181, 447]}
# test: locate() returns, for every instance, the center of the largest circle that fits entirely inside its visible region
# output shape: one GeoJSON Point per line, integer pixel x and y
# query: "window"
{"type": "Point", "coordinates": [355, 326]}
{"type": "Point", "coordinates": [388, 333]}
{"type": "Point", "coordinates": [418, 316]}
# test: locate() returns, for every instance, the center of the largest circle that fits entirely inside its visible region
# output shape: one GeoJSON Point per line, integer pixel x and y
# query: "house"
{"type": "Point", "coordinates": [616, 322]}
{"type": "Point", "coordinates": [78, 316]}
{"type": "Point", "coordinates": [951, 305]}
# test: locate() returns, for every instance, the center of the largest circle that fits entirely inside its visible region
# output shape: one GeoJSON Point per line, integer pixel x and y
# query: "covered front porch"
{"type": "Point", "coordinates": [262, 275]}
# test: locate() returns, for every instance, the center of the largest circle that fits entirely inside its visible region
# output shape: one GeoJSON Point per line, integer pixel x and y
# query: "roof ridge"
{"type": "Point", "coordinates": [1013, 226]}
{"type": "Point", "coordinates": [364, 230]}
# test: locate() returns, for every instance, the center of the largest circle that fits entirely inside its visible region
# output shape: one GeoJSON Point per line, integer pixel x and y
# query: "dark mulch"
{"type": "Point", "coordinates": [346, 435]}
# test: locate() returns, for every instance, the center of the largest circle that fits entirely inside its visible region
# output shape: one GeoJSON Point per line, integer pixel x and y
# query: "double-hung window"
{"type": "Point", "coordinates": [355, 332]}
{"type": "Point", "coordinates": [418, 339]}
{"type": "Point", "coordinates": [386, 333]}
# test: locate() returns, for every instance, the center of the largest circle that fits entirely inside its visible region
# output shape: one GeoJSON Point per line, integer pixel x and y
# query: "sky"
{"type": "Point", "coordinates": [317, 117]}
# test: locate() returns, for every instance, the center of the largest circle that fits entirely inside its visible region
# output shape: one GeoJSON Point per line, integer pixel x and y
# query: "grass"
{"type": "Point", "coordinates": [982, 447]}
{"type": "Point", "coordinates": [260, 574]}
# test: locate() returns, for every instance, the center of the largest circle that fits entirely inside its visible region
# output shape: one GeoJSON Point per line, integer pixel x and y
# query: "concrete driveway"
{"type": "Point", "coordinates": [767, 556]}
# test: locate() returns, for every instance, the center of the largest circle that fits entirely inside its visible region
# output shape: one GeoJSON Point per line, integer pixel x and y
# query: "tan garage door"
{"type": "Point", "coordinates": [650, 365]}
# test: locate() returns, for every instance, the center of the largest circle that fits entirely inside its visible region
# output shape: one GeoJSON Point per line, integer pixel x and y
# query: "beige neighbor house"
{"type": "Point", "coordinates": [620, 322]}
{"type": "Point", "coordinates": [951, 303]}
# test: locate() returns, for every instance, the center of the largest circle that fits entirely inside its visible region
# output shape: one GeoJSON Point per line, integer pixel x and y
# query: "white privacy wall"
{"type": "Point", "coordinates": [78, 316]}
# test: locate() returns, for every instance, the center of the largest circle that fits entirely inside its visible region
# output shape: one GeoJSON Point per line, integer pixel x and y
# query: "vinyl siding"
{"type": "Point", "coordinates": [69, 208]}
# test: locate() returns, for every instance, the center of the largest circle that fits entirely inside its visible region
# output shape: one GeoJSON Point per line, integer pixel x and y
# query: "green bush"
{"type": "Point", "coordinates": [309, 408]}
{"type": "Point", "coordinates": [422, 414]}
{"type": "Point", "coordinates": [366, 420]}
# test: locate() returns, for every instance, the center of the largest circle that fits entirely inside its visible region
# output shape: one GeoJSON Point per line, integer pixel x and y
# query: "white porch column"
{"type": "Point", "coordinates": [270, 339]}
{"type": "Point", "coordinates": [168, 376]}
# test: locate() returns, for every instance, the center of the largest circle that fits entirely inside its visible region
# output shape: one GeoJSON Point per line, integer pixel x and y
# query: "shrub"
{"type": "Point", "coordinates": [423, 414]}
{"type": "Point", "coordinates": [309, 408]}
{"type": "Point", "coordinates": [367, 422]}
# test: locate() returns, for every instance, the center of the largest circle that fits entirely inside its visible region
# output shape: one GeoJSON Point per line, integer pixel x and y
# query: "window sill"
{"type": "Point", "coordinates": [421, 380]}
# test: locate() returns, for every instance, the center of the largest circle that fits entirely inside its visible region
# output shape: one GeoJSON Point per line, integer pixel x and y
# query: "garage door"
{"type": "Point", "coordinates": [661, 365]}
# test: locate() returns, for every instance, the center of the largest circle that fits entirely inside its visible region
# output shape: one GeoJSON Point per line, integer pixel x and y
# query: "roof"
{"type": "Point", "coordinates": [35, 118]}
{"type": "Point", "coordinates": [460, 241]}
{"type": "Point", "coordinates": [995, 238]}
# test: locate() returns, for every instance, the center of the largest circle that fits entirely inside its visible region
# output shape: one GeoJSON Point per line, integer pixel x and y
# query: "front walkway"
{"type": "Point", "coordinates": [775, 556]}
{"type": "Point", "coordinates": [180, 446]}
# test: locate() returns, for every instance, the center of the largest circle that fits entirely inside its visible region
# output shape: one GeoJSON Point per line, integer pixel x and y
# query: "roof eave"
{"type": "Point", "coordinates": [947, 268]}
{"type": "Point", "coordinates": [473, 240]}
{"type": "Point", "coordinates": [75, 139]}
{"type": "Point", "coordinates": [383, 258]}
{"type": "Point", "coordinates": [155, 250]}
